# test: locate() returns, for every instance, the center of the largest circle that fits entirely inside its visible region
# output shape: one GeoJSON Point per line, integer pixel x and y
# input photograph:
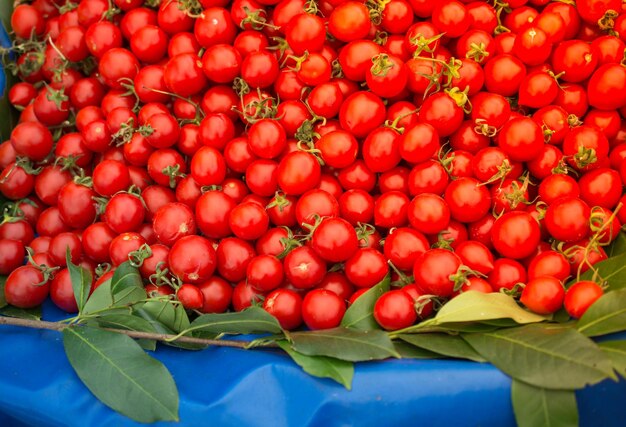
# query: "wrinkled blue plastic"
{"type": "Point", "coordinates": [222, 386]}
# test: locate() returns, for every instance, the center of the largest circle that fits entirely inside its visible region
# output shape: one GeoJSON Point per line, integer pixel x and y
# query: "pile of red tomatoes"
{"type": "Point", "coordinates": [294, 153]}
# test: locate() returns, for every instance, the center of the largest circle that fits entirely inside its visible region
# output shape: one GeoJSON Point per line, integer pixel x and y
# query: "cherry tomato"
{"type": "Point", "coordinates": [395, 310]}
{"type": "Point", "coordinates": [322, 309]}
{"type": "Point", "coordinates": [543, 295]}
{"type": "Point", "coordinates": [580, 296]}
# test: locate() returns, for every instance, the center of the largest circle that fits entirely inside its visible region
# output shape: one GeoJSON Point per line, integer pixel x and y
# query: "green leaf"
{"type": "Point", "coordinates": [476, 306]}
{"type": "Point", "coordinates": [408, 351]}
{"type": "Point", "coordinates": [118, 372]}
{"type": "Point", "coordinates": [322, 366]}
{"type": "Point", "coordinates": [125, 321]}
{"type": "Point", "coordinates": [117, 319]}
{"type": "Point", "coordinates": [6, 9]}
{"type": "Point", "coordinates": [81, 281]}
{"type": "Point", "coordinates": [618, 247]}
{"type": "Point", "coordinates": [171, 317]}
{"type": "Point", "coordinates": [561, 316]}
{"type": "Point", "coordinates": [146, 344]}
{"type": "Point", "coordinates": [616, 351]}
{"type": "Point", "coordinates": [360, 315]}
{"type": "Point", "coordinates": [352, 345]}
{"type": "Point", "coordinates": [100, 299]}
{"type": "Point", "coordinates": [126, 285]}
{"type": "Point", "coordinates": [250, 321]}
{"type": "Point", "coordinates": [450, 327]}
{"type": "Point", "coordinates": [546, 357]}
{"type": "Point", "coordinates": [444, 344]}
{"type": "Point", "coordinates": [166, 318]}
{"type": "Point", "coordinates": [535, 406]}
{"type": "Point", "coordinates": [22, 313]}
{"type": "Point", "coordinates": [3, 301]}
{"type": "Point", "coordinates": [606, 315]}
{"type": "Point", "coordinates": [612, 270]}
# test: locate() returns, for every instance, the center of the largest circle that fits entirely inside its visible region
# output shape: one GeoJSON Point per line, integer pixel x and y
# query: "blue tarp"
{"type": "Point", "coordinates": [224, 386]}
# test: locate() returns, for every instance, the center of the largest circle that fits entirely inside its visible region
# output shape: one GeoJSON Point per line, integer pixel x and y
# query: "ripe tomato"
{"type": "Point", "coordinates": [567, 219]}
{"type": "Point", "coordinates": [580, 296]}
{"type": "Point", "coordinates": [322, 309]}
{"type": "Point", "coordinates": [192, 259]}
{"type": "Point", "coordinates": [467, 200]}
{"type": "Point", "coordinates": [216, 295]}
{"type": "Point", "coordinates": [543, 295]}
{"type": "Point", "coordinates": [403, 246]}
{"type": "Point", "coordinates": [190, 297]}
{"type": "Point", "coordinates": [476, 256]}
{"type": "Point", "coordinates": [304, 268]}
{"type": "Point", "coordinates": [366, 268]}
{"type": "Point", "coordinates": [349, 21]}
{"type": "Point", "coordinates": [391, 209]}
{"type": "Point", "coordinates": [361, 113]}
{"type": "Point", "coordinates": [395, 310]}
{"type": "Point", "coordinates": [12, 253]}
{"type": "Point", "coordinates": [62, 292]}
{"type": "Point", "coordinates": [298, 172]}
{"type": "Point", "coordinates": [607, 87]}
{"type": "Point", "coordinates": [433, 271]}
{"type": "Point", "coordinates": [334, 240]}
{"type": "Point", "coordinates": [248, 221]}
{"type": "Point", "coordinates": [26, 287]}
{"type": "Point", "coordinates": [286, 306]}
{"type": "Point", "coordinates": [521, 139]}
{"type": "Point", "coordinates": [515, 234]}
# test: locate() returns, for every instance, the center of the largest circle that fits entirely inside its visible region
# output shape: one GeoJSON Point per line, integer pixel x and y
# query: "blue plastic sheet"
{"type": "Point", "coordinates": [222, 386]}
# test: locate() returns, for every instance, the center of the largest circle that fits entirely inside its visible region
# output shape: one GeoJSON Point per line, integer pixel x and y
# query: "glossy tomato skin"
{"type": "Point", "coordinates": [76, 205]}
{"type": "Point", "coordinates": [467, 200]}
{"type": "Point", "coordinates": [567, 219]}
{"type": "Point", "coordinates": [395, 310]}
{"type": "Point", "coordinates": [476, 256]}
{"type": "Point", "coordinates": [304, 269]}
{"type": "Point", "coordinates": [366, 268]}
{"type": "Point", "coordinates": [25, 287]}
{"type": "Point", "coordinates": [298, 172]}
{"type": "Point", "coordinates": [248, 221]}
{"type": "Point", "coordinates": [607, 87]}
{"type": "Point", "coordinates": [515, 235]}
{"type": "Point", "coordinates": [192, 259]}
{"type": "Point", "coordinates": [428, 213]}
{"type": "Point", "coordinates": [322, 309]}
{"type": "Point", "coordinates": [334, 240]}
{"type": "Point", "coordinates": [216, 295]}
{"type": "Point", "coordinates": [580, 296]}
{"type": "Point", "coordinates": [403, 246]}
{"type": "Point", "coordinates": [190, 297]}
{"type": "Point", "coordinates": [62, 293]}
{"type": "Point", "coordinates": [172, 222]}
{"type": "Point", "coordinates": [361, 113]}
{"type": "Point", "coordinates": [521, 139]}
{"type": "Point", "coordinates": [286, 306]}
{"type": "Point", "coordinates": [549, 263]}
{"type": "Point", "coordinates": [12, 254]}
{"type": "Point", "coordinates": [543, 295]}
{"type": "Point", "coordinates": [433, 269]}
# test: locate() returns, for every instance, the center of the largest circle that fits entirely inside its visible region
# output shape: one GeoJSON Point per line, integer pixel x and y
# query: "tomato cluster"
{"type": "Point", "coordinates": [293, 153]}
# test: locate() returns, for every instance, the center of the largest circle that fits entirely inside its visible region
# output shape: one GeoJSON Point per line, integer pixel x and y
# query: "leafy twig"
{"type": "Point", "coordinates": [55, 326]}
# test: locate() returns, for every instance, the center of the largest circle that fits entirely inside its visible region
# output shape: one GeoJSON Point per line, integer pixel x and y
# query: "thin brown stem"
{"type": "Point", "coordinates": [54, 326]}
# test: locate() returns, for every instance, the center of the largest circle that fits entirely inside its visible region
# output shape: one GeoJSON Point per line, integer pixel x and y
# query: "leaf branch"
{"type": "Point", "coordinates": [55, 326]}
